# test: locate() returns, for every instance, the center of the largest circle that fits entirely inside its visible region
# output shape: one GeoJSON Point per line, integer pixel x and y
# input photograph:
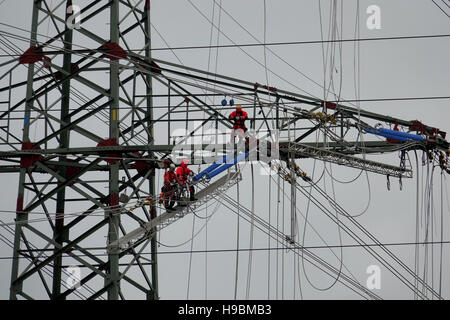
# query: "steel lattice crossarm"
{"type": "Point", "coordinates": [286, 104]}
{"type": "Point", "coordinates": [145, 231]}
{"type": "Point", "coordinates": [345, 160]}
{"type": "Point", "coordinates": [244, 87]}
{"type": "Point", "coordinates": [133, 155]}
{"type": "Point", "coordinates": [87, 150]}
{"type": "Point", "coordinates": [346, 147]}
{"type": "Point", "coordinates": [304, 149]}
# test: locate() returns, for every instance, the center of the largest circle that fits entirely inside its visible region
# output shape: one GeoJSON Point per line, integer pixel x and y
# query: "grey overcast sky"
{"type": "Point", "coordinates": [388, 69]}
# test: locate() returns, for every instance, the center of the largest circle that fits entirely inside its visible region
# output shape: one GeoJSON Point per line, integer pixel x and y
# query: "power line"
{"type": "Point", "coordinates": [395, 99]}
{"type": "Point", "coordinates": [443, 1]}
{"type": "Point", "coordinates": [336, 40]}
{"type": "Point", "coordinates": [301, 42]}
{"type": "Point", "coordinates": [441, 8]}
{"type": "Point", "coordinates": [271, 43]}
{"type": "Point", "coordinates": [311, 247]}
{"type": "Point", "coordinates": [272, 248]}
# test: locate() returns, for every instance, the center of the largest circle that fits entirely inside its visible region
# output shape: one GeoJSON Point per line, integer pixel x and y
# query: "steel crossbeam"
{"type": "Point", "coordinates": [347, 160]}
{"type": "Point", "coordinates": [211, 191]}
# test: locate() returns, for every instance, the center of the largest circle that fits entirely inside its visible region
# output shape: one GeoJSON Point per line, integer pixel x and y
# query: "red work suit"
{"type": "Point", "coordinates": [182, 175]}
{"type": "Point", "coordinates": [239, 117]}
{"type": "Point", "coordinates": [170, 177]}
{"type": "Point", "coordinates": [168, 191]}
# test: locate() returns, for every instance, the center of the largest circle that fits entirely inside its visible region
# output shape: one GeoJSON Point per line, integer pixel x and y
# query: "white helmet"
{"type": "Point", "coordinates": [172, 166]}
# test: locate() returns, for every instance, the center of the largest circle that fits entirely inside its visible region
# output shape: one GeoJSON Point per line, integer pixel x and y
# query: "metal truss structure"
{"type": "Point", "coordinates": [85, 116]}
{"type": "Point", "coordinates": [89, 113]}
{"type": "Point", "coordinates": [146, 231]}
{"type": "Point", "coordinates": [347, 160]}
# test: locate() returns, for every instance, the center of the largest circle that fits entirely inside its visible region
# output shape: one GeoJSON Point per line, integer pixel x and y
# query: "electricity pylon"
{"type": "Point", "coordinates": [105, 127]}
{"type": "Point", "coordinates": [51, 174]}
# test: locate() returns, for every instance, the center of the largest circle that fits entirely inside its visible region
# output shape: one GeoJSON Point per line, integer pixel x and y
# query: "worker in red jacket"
{"type": "Point", "coordinates": [169, 189]}
{"type": "Point", "coordinates": [182, 174]}
{"type": "Point", "coordinates": [238, 116]}
{"type": "Point", "coordinates": [170, 176]}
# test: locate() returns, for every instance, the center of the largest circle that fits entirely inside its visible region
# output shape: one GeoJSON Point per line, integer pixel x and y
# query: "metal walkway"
{"type": "Point", "coordinates": [144, 232]}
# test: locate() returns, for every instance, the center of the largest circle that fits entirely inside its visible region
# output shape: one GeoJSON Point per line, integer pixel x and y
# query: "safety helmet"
{"type": "Point", "coordinates": [184, 163]}
{"type": "Point", "coordinates": [238, 107]}
{"type": "Point", "coordinates": [172, 166]}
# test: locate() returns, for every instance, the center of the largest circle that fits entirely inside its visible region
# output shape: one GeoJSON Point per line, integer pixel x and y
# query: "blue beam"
{"type": "Point", "coordinates": [240, 157]}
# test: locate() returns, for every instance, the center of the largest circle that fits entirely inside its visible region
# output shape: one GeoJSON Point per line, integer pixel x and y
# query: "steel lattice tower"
{"type": "Point", "coordinates": [66, 173]}
{"type": "Point", "coordinates": [102, 141]}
